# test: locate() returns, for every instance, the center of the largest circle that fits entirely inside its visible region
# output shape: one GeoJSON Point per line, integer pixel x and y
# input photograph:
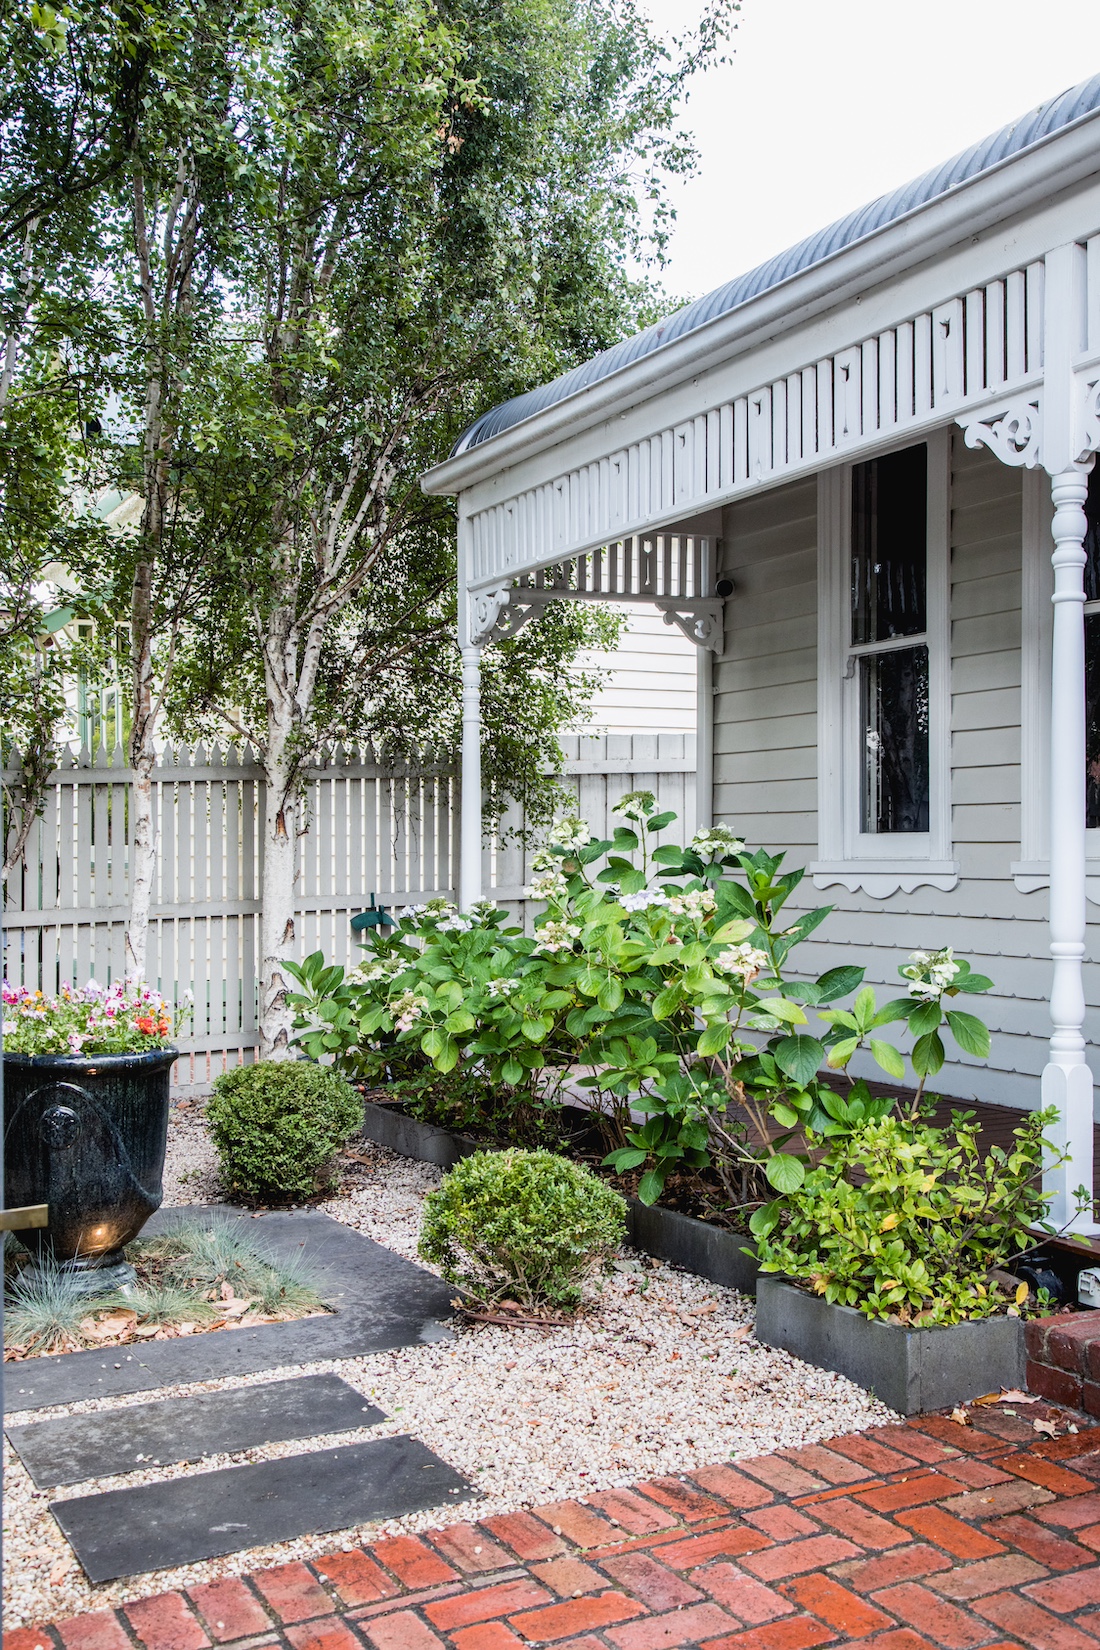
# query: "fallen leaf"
{"type": "Point", "coordinates": [1045, 1426]}
{"type": "Point", "coordinates": [146, 1330]}
{"type": "Point", "coordinates": [961, 1417]}
{"type": "Point", "coordinates": [186, 1329]}
{"type": "Point", "coordinates": [1014, 1397]}
{"type": "Point", "coordinates": [227, 1291]}
{"type": "Point", "coordinates": [59, 1571]}
{"type": "Point", "coordinates": [989, 1398]}
{"type": "Point", "coordinates": [743, 1333]}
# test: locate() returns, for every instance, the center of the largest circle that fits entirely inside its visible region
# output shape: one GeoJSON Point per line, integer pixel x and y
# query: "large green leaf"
{"type": "Point", "coordinates": [888, 1057]}
{"type": "Point", "coordinates": [970, 1034]}
{"type": "Point", "coordinates": [714, 1039]}
{"type": "Point", "coordinates": [652, 1183]}
{"type": "Point", "coordinates": [784, 1172]}
{"type": "Point", "coordinates": [667, 1002]}
{"type": "Point", "coordinates": [799, 1056]}
{"type": "Point", "coordinates": [927, 1055]}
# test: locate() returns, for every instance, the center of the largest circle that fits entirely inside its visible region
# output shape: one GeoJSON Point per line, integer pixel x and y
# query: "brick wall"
{"type": "Point", "coordinates": [1063, 1360]}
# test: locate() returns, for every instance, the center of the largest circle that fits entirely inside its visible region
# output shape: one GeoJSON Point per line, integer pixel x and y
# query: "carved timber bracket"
{"type": "Point", "coordinates": [700, 620]}
{"type": "Point", "coordinates": [504, 609]}
{"type": "Point", "coordinates": [1012, 430]}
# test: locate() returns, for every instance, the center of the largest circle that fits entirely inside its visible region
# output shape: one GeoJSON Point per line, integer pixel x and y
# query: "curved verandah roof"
{"type": "Point", "coordinates": [1028, 132]}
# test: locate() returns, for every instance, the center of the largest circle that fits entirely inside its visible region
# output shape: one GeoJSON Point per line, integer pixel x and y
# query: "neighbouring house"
{"type": "Point", "coordinates": [860, 478]}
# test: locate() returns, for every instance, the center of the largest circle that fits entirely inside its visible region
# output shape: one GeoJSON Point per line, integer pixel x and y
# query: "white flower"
{"type": "Point", "coordinates": [557, 936]}
{"type": "Point", "coordinates": [499, 988]}
{"type": "Point", "coordinates": [635, 804]}
{"type": "Point", "coordinates": [409, 913]}
{"type": "Point", "coordinates": [930, 973]}
{"type": "Point", "coordinates": [716, 842]}
{"type": "Point", "coordinates": [742, 960]}
{"type": "Point", "coordinates": [551, 885]}
{"type": "Point", "coordinates": [456, 924]}
{"type": "Point", "coordinates": [543, 860]}
{"type": "Point", "coordinates": [570, 832]}
{"type": "Point", "coordinates": [643, 901]}
{"type": "Point", "coordinates": [697, 903]}
{"type": "Point", "coordinates": [408, 1009]}
{"type": "Point", "coordinates": [372, 969]}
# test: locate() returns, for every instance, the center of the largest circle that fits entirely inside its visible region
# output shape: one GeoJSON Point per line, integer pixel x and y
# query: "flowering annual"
{"type": "Point", "coordinates": [124, 1018]}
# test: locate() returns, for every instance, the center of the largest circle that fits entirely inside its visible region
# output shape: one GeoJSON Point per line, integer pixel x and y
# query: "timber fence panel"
{"type": "Point", "coordinates": [374, 827]}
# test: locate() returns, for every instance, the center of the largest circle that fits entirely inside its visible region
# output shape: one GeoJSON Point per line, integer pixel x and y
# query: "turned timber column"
{"type": "Point", "coordinates": [1067, 1080]}
{"type": "Point", "coordinates": [469, 868]}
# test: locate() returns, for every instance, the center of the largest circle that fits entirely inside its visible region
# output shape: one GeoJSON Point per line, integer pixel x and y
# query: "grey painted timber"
{"type": "Point", "coordinates": [710, 1251]}
{"type": "Point", "coordinates": [381, 1301]}
{"type": "Point", "coordinates": [912, 1370]}
{"type": "Point", "coordinates": [74, 1448]}
{"type": "Point", "coordinates": [159, 1526]}
{"type": "Point", "coordinates": [698, 1246]}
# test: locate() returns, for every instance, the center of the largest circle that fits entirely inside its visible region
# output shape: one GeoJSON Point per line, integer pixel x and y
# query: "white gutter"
{"type": "Point", "coordinates": [1005, 190]}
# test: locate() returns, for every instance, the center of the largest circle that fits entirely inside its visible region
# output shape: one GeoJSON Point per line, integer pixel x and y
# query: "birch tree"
{"type": "Point", "coordinates": [450, 194]}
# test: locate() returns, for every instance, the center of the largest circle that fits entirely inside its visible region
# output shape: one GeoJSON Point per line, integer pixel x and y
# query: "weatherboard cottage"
{"type": "Point", "coordinates": [860, 478]}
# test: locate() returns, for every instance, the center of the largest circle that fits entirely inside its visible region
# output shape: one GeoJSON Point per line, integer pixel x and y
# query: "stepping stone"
{"type": "Point", "coordinates": [381, 1301]}
{"type": "Point", "coordinates": [76, 1447]}
{"type": "Point", "coordinates": [159, 1526]}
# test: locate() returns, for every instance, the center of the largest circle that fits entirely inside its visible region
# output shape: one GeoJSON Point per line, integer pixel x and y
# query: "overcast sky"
{"type": "Point", "coordinates": [823, 106]}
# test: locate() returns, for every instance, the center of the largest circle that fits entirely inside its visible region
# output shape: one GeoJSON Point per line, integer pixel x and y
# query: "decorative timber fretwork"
{"type": "Point", "coordinates": [971, 355]}
{"type": "Point", "coordinates": [672, 571]}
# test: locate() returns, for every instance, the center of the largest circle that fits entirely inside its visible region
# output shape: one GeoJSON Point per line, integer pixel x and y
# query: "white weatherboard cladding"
{"type": "Point", "coordinates": [766, 762]}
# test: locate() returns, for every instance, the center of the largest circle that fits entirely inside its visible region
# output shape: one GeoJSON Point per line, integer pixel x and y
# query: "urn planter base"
{"type": "Point", "coordinates": [912, 1370]}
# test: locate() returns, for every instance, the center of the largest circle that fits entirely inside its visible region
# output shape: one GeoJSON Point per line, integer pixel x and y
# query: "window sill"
{"type": "Point", "coordinates": [882, 877]}
{"type": "Point", "coordinates": [1030, 875]}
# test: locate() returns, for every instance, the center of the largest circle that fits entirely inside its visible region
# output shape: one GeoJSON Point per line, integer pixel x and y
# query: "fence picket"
{"type": "Point", "coordinates": [375, 827]}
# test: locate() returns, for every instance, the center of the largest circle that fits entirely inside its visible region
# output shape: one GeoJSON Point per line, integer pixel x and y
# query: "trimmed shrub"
{"type": "Point", "coordinates": [523, 1225]}
{"type": "Point", "coordinates": [278, 1125]}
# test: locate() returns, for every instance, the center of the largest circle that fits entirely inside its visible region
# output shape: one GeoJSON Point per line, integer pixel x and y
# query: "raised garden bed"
{"type": "Point", "coordinates": [709, 1251]}
{"type": "Point", "coordinates": [912, 1370]}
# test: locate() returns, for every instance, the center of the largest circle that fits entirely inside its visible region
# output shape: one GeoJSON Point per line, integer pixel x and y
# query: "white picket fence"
{"type": "Point", "coordinates": [374, 828]}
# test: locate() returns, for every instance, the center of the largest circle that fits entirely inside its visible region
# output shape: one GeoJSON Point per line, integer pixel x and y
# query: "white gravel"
{"type": "Point", "coordinates": [660, 1375]}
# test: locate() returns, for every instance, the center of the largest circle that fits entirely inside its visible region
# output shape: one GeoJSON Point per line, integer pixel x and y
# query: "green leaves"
{"type": "Point", "coordinates": [799, 1057]}
{"type": "Point", "coordinates": [970, 1034]}
{"type": "Point", "coordinates": [784, 1172]}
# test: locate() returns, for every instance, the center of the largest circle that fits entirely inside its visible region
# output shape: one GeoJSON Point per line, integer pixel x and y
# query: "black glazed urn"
{"type": "Point", "coordinates": [87, 1136]}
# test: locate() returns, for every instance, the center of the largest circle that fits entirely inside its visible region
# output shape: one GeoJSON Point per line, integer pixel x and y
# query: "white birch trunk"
{"type": "Point", "coordinates": [277, 932]}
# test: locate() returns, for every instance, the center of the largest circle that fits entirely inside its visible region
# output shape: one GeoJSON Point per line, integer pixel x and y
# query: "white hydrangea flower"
{"type": "Point", "coordinates": [930, 973]}
{"type": "Point", "coordinates": [499, 988]}
{"type": "Point", "coordinates": [409, 913]}
{"type": "Point", "coordinates": [551, 885]}
{"type": "Point", "coordinates": [372, 969]}
{"type": "Point", "coordinates": [570, 832]}
{"type": "Point", "coordinates": [455, 924]}
{"type": "Point", "coordinates": [635, 804]}
{"type": "Point", "coordinates": [408, 1008]}
{"type": "Point", "coordinates": [742, 960]}
{"type": "Point", "coordinates": [557, 936]}
{"type": "Point", "coordinates": [649, 897]}
{"type": "Point", "coordinates": [699, 902]}
{"type": "Point", "coordinates": [543, 860]}
{"type": "Point", "coordinates": [716, 842]}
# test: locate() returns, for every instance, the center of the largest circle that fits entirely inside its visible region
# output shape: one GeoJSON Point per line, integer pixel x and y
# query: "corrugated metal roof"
{"type": "Point", "coordinates": [1031, 128]}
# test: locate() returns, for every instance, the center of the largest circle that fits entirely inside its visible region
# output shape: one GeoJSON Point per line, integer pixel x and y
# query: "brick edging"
{"type": "Point", "coordinates": [786, 1551]}
{"type": "Point", "coordinates": [1063, 1360]}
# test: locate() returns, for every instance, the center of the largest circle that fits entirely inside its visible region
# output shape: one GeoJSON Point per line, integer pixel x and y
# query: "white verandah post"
{"type": "Point", "coordinates": [470, 802]}
{"type": "Point", "coordinates": [1067, 1080]}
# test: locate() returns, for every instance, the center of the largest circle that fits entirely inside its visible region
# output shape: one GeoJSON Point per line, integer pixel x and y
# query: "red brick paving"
{"type": "Point", "coordinates": [925, 1536]}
